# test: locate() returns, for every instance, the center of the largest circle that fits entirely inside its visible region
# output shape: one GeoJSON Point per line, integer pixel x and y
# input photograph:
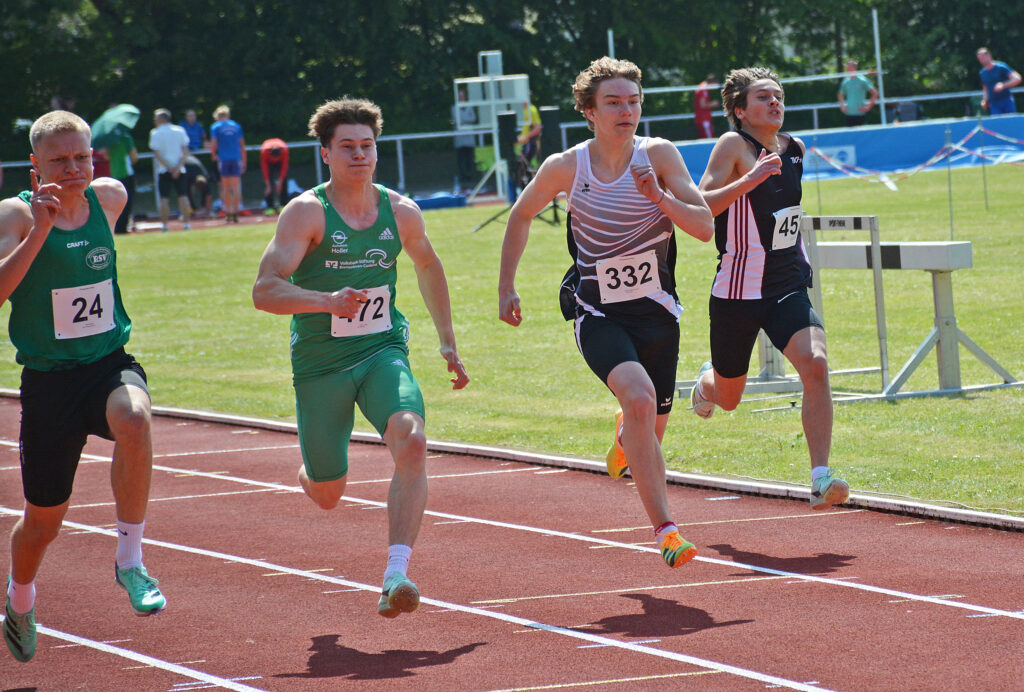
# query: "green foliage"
{"type": "Point", "coordinates": [275, 61]}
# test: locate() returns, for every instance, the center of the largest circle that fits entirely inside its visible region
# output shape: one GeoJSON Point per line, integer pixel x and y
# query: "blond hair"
{"type": "Point", "coordinates": [56, 122]}
{"type": "Point", "coordinates": [584, 89]}
{"type": "Point", "coordinates": [734, 90]}
{"type": "Point", "coordinates": [345, 111]}
{"type": "Point", "coordinates": [222, 113]}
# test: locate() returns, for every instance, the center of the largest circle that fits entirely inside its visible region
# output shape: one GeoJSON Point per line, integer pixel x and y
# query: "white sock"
{"type": "Point", "coordinates": [398, 559]}
{"type": "Point", "coordinates": [23, 596]}
{"type": "Point", "coordinates": [129, 544]}
{"type": "Point", "coordinates": [817, 472]}
{"type": "Point", "coordinates": [665, 529]}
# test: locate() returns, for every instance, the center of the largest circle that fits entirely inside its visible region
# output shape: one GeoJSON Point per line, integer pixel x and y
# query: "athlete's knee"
{"type": "Point", "coordinates": [814, 368]}
{"type": "Point", "coordinates": [410, 451]}
{"type": "Point", "coordinates": [325, 495]}
{"type": "Point", "coordinates": [39, 529]}
{"type": "Point", "coordinates": [640, 405]}
{"type": "Point", "coordinates": [129, 417]}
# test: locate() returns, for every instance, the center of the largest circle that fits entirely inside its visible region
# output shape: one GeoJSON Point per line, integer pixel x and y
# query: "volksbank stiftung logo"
{"type": "Point", "coordinates": [99, 258]}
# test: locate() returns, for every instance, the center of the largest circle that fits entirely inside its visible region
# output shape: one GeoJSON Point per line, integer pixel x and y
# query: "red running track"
{"type": "Point", "coordinates": [532, 578]}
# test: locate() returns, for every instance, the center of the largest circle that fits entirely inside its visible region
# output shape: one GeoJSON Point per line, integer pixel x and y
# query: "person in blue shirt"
{"type": "Point", "coordinates": [195, 131]}
{"type": "Point", "coordinates": [227, 148]}
{"type": "Point", "coordinates": [997, 78]}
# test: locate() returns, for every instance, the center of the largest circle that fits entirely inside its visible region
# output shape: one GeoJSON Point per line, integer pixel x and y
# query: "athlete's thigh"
{"type": "Point", "coordinates": [325, 408]}
{"type": "Point", "coordinates": [385, 386]}
{"type": "Point", "coordinates": [658, 348]}
{"type": "Point", "coordinates": [789, 315]}
{"type": "Point", "coordinates": [734, 328]}
{"type": "Point", "coordinates": [604, 344]}
{"type": "Point", "coordinates": [120, 390]}
{"type": "Point", "coordinates": [53, 434]}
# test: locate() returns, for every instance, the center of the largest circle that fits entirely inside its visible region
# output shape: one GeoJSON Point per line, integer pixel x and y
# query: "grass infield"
{"type": "Point", "coordinates": [204, 346]}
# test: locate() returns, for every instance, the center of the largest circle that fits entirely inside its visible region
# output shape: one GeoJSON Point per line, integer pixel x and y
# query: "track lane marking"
{"type": "Point", "coordinates": [732, 564]}
{"type": "Point", "coordinates": [150, 661]}
{"type": "Point", "coordinates": [504, 617]}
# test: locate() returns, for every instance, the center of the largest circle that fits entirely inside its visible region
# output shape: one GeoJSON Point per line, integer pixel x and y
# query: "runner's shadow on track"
{"type": "Point", "coordinates": [822, 563]}
{"type": "Point", "coordinates": [331, 660]}
{"type": "Point", "coordinates": [662, 617]}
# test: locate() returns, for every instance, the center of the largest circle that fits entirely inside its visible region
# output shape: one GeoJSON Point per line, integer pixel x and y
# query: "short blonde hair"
{"type": "Point", "coordinates": [345, 111]}
{"type": "Point", "coordinates": [56, 122]}
{"type": "Point", "coordinates": [584, 89]}
{"type": "Point", "coordinates": [222, 113]}
{"type": "Point", "coordinates": [734, 90]}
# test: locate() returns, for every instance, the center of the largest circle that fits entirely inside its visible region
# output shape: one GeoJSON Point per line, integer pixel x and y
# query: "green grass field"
{"type": "Point", "coordinates": [205, 346]}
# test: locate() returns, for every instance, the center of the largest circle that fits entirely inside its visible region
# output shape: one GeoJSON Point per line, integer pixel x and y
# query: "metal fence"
{"type": "Point", "coordinates": [425, 163]}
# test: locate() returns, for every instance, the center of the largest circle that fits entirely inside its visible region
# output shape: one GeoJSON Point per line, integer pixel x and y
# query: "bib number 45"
{"type": "Point", "coordinates": [787, 227]}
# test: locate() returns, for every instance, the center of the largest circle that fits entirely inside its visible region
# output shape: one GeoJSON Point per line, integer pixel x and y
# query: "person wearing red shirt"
{"type": "Point", "coordinates": [274, 162]}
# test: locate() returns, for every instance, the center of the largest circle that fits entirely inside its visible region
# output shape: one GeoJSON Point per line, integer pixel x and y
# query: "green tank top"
{"type": "Point", "coordinates": [365, 259]}
{"type": "Point", "coordinates": [67, 311]}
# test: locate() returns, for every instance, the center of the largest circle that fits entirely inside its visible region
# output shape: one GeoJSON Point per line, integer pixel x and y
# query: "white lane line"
{"type": "Point", "coordinates": [585, 636]}
{"type": "Point", "coordinates": [196, 675]}
{"type": "Point", "coordinates": [183, 497]}
{"type": "Point", "coordinates": [602, 541]}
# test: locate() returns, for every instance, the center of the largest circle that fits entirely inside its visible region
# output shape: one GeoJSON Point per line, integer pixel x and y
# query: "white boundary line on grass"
{"type": "Point", "coordinates": [504, 617]}
{"type": "Point", "coordinates": [197, 675]}
{"type": "Point", "coordinates": [918, 509]}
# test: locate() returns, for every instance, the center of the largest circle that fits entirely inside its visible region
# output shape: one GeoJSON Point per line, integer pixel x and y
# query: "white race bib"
{"type": "Point", "coordinates": [374, 316]}
{"type": "Point", "coordinates": [628, 277]}
{"type": "Point", "coordinates": [83, 310]}
{"type": "Point", "coordinates": [787, 227]}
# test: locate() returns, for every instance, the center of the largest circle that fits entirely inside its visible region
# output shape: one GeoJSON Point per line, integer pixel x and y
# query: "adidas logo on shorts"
{"type": "Point", "coordinates": [386, 234]}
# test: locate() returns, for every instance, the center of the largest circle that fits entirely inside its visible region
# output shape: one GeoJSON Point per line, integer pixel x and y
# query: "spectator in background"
{"type": "Point", "coordinates": [465, 116]}
{"type": "Point", "coordinates": [854, 91]}
{"type": "Point", "coordinates": [997, 78]}
{"type": "Point", "coordinates": [170, 147]}
{"type": "Point", "coordinates": [227, 149]}
{"type": "Point", "coordinates": [529, 136]}
{"type": "Point", "coordinates": [123, 156]}
{"type": "Point", "coordinates": [274, 164]}
{"type": "Point", "coordinates": [703, 105]}
{"type": "Point", "coordinates": [200, 187]}
{"type": "Point", "coordinates": [194, 129]}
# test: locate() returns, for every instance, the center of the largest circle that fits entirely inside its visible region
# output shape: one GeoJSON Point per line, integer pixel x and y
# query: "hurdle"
{"type": "Point", "coordinates": [940, 259]}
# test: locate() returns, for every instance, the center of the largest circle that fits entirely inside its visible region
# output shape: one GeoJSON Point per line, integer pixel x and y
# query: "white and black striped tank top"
{"type": "Point", "coordinates": [614, 219]}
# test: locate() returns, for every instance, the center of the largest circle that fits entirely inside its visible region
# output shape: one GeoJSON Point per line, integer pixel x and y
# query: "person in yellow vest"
{"type": "Point", "coordinates": [69, 326]}
{"type": "Point", "coordinates": [529, 135]}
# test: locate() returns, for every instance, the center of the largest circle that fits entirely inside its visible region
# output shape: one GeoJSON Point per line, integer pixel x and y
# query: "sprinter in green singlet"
{"type": "Point", "coordinates": [331, 265]}
{"type": "Point", "coordinates": [69, 326]}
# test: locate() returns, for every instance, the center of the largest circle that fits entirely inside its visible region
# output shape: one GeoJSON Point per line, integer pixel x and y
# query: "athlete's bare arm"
{"type": "Point", "coordinates": [112, 197]}
{"type": "Point", "coordinates": [681, 201]}
{"type": "Point", "coordinates": [554, 176]}
{"type": "Point", "coordinates": [299, 230]}
{"type": "Point", "coordinates": [733, 171]}
{"type": "Point", "coordinates": [431, 279]}
{"type": "Point", "coordinates": [23, 230]}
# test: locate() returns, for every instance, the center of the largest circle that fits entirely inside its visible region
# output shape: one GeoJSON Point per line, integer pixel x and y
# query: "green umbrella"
{"type": "Point", "coordinates": [114, 124]}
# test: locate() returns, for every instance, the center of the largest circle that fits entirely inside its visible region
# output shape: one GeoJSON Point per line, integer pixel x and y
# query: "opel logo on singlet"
{"type": "Point", "coordinates": [99, 258]}
{"type": "Point", "coordinates": [339, 237]}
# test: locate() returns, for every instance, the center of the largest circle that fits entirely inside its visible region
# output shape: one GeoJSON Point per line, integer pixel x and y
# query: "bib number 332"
{"type": "Point", "coordinates": [787, 227]}
{"type": "Point", "coordinates": [374, 315]}
{"type": "Point", "coordinates": [83, 310]}
{"type": "Point", "coordinates": [628, 277]}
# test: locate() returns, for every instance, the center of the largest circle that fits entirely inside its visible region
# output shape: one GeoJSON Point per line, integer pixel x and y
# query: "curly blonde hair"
{"type": "Point", "coordinates": [584, 89]}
